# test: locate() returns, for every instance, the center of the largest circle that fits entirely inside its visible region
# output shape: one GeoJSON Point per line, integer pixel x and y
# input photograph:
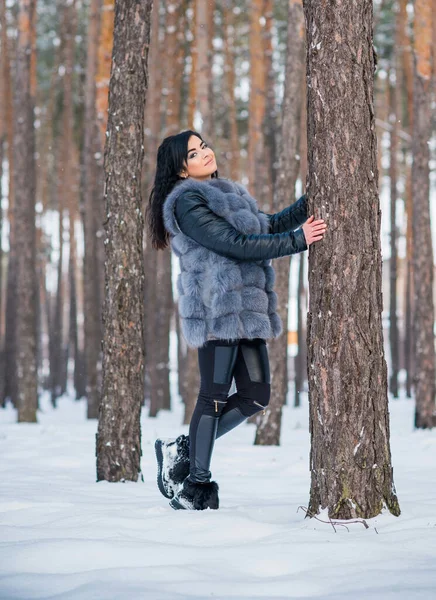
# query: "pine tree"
{"type": "Point", "coordinates": [350, 460]}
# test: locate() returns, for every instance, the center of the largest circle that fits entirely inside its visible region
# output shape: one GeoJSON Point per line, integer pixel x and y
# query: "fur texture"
{"type": "Point", "coordinates": [196, 496]}
{"type": "Point", "coordinates": [220, 297]}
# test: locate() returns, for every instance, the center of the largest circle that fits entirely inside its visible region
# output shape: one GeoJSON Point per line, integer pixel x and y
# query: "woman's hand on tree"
{"type": "Point", "coordinates": [314, 230]}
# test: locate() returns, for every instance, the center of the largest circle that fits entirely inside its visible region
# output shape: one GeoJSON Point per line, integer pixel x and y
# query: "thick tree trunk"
{"type": "Point", "coordinates": [118, 441]}
{"type": "Point", "coordinates": [269, 424]}
{"type": "Point", "coordinates": [350, 460]}
{"type": "Point", "coordinates": [24, 214]}
{"type": "Point", "coordinates": [91, 197]}
{"type": "Point", "coordinates": [425, 372]}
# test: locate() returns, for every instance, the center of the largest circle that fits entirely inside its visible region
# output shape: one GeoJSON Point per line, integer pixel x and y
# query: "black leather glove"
{"type": "Point", "coordinates": [290, 217]}
{"type": "Point", "coordinates": [200, 223]}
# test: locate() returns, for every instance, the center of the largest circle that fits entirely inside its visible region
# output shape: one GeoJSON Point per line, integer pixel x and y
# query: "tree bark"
{"type": "Point", "coordinates": [203, 72]}
{"type": "Point", "coordinates": [91, 197]}
{"type": "Point", "coordinates": [3, 138]}
{"type": "Point", "coordinates": [301, 356]}
{"type": "Point", "coordinates": [118, 440]}
{"type": "Point", "coordinates": [70, 187]}
{"type": "Point", "coordinates": [257, 103]}
{"type": "Point", "coordinates": [57, 329]}
{"type": "Point", "coordinates": [405, 54]}
{"type": "Point", "coordinates": [10, 374]}
{"type": "Point", "coordinates": [229, 42]}
{"type": "Point", "coordinates": [425, 372]}
{"type": "Point", "coordinates": [350, 459]}
{"type": "Point", "coordinates": [24, 214]}
{"type": "Point", "coordinates": [393, 268]}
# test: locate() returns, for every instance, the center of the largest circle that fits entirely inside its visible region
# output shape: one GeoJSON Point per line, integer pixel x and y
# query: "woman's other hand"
{"type": "Point", "coordinates": [314, 230]}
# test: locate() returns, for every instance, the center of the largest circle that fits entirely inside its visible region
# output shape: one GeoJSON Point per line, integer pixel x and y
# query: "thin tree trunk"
{"type": "Point", "coordinates": [119, 434]}
{"type": "Point", "coordinates": [405, 53]}
{"type": "Point", "coordinates": [229, 41]}
{"type": "Point", "coordinates": [269, 130]}
{"type": "Point", "coordinates": [104, 53]}
{"type": "Point", "coordinates": [3, 139]}
{"type": "Point", "coordinates": [203, 72]}
{"type": "Point", "coordinates": [153, 123]}
{"type": "Point", "coordinates": [425, 371]}
{"type": "Point", "coordinates": [24, 213]}
{"type": "Point", "coordinates": [164, 309]}
{"type": "Point", "coordinates": [159, 358]}
{"type": "Point", "coordinates": [192, 94]}
{"type": "Point", "coordinates": [301, 357]}
{"type": "Point", "coordinates": [153, 109]}
{"type": "Point", "coordinates": [393, 321]}
{"type": "Point", "coordinates": [350, 460]}
{"type": "Point", "coordinates": [90, 194]}
{"type": "Point", "coordinates": [105, 29]}
{"type": "Point", "coordinates": [70, 187]}
{"type": "Point", "coordinates": [409, 356]}
{"type": "Point", "coordinates": [189, 374]}
{"type": "Point", "coordinates": [10, 375]}
{"type": "Point", "coordinates": [257, 102]}
{"type": "Point", "coordinates": [269, 424]}
{"type": "Point", "coordinates": [151, 341]}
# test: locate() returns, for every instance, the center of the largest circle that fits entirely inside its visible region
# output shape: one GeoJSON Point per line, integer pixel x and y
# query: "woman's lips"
{"type": "Point", "coordinates": [208, 162]}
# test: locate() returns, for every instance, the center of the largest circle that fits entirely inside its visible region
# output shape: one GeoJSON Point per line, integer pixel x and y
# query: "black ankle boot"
{"type": "Point", "coordinates": [196, 496]}
{"type": "Point", "coordinates": [198, 491]}
{"type": "Point", "coordinates": [172, 464]}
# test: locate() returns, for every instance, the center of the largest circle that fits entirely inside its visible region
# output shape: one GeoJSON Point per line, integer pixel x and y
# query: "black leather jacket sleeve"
{"type": "Point", "coordinates": [199, 222]}
{"type": "Point", "coordinates": [289, 218]}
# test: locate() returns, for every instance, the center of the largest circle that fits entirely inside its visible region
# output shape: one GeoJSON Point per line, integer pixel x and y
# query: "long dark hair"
{"type": "Point", "coordinates": [171, 157]}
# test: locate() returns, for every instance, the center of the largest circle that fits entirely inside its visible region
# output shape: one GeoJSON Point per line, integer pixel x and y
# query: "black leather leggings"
{"type": "Point", "coordinates": [215, 412]}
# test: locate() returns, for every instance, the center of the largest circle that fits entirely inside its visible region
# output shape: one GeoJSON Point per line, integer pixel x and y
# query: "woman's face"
{"type": "Point", "coordinates": [200, 162]}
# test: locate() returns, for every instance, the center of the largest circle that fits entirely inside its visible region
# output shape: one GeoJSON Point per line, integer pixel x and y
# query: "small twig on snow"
{"type": "Point", "coordinates": [333, 523]}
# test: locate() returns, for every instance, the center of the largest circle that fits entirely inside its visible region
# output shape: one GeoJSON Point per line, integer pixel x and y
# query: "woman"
{"type": "Point", "coordinates": [227, 305]}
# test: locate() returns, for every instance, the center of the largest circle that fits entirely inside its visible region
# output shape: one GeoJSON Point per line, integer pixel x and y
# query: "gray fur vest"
{"type": "Point", "coordinates": [220, 297]}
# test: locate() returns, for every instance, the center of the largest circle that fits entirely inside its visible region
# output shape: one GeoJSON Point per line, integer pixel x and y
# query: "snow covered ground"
{"type": "Point", "coordinates": [64, 536]}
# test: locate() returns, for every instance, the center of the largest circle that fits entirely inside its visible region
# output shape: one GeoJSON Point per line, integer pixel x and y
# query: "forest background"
{"type": "Point", "coordinates": [218, 67]}
{"type": "Point", "coordinates": [223, 68]}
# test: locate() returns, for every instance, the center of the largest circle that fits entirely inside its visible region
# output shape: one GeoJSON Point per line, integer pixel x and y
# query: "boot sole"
{"type": "Point", "coordinates": [176, 504]}
{"type": "Point", "coordinates": [159, 458]}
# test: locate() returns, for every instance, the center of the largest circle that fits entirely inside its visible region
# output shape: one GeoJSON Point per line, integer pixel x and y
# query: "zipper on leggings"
{"type": "Point", "coordinates": [261, 406]}
{"type": "Point", "coordinates": [216, 404]}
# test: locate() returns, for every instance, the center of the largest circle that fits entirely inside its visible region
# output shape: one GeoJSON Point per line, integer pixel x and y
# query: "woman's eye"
{"type": "Point", "coordinates": [205, 145]}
